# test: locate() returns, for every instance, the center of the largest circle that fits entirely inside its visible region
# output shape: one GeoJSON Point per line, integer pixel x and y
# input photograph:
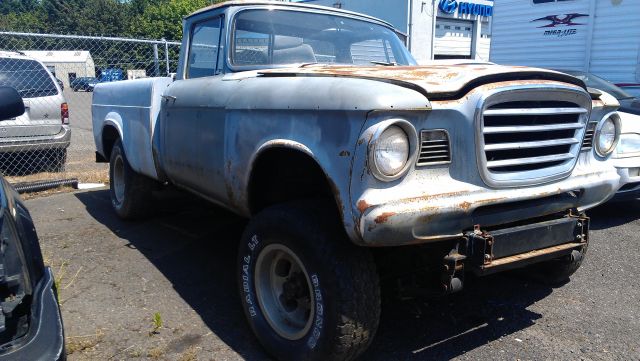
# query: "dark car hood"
{"type": "Point", "coordinates": [630, 106]}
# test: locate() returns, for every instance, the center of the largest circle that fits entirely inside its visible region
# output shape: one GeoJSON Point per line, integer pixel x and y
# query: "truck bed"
{"type": "Point", "coordinates": [132, 107]}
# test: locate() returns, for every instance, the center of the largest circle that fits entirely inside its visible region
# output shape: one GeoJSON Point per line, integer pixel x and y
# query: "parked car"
{"type": "Point", "coordinates": [83, 83]}
{"type": "Point", "coordinates": [317, 124]}
{"type": "Point", "coordinates": [41, 135]}
{"type": "Point", "coordinates": [626, 157]}
{"type": "Point", "coordinates": [110, 74]}
{"type": "Point", "coordinates": [30, 319]}
{"type": "Point", "coordinates": [60, 83]}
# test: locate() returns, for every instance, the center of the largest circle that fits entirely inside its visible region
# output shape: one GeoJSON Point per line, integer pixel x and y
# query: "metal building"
{"type": "Point", "coordinates": [65, 65]}
{"type": "Point", "coordinates": [436, 29]}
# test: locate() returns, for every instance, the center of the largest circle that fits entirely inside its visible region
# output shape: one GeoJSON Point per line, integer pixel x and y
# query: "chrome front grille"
{"type": "Point", "coordinates": [529, 141]}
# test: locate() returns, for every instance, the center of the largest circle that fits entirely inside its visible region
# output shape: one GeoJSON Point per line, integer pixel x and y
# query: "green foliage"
{"type": "Point", "coordinates": [151, 19]}
{"type": "Point", "coordinates": [87, 17]}
{"type": "Point", "coordinates": [164, 19]}
{"type": "Point", "coordinates": [17, 6]}
{"type": "Point", "coordinates": [26, 21]}
{"type": "Point", "coordinates": [157, 322]}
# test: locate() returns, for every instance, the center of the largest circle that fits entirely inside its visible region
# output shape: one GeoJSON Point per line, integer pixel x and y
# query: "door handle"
{"type": "Point", "coordinates": [169, 97]}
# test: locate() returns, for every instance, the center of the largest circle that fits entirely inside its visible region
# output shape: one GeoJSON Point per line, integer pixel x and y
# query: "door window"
{"type": "Point", "coordinates": [204, 49]}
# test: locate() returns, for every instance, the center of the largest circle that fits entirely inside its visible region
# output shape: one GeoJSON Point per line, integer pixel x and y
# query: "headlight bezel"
{"type": "Point", "coordinates": [615, 118]}
{"type": "Point", "coordinates": [412, 136]}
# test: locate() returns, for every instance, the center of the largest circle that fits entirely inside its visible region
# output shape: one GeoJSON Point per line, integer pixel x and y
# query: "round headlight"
{"type": "Point", "coordinates": [607, 134]}
{"type": "Point", "coordinates": [391, 151]}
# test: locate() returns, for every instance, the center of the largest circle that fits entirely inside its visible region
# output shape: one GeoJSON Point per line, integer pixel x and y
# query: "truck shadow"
{"type": "Point", "coordinates": [614, 214]}
{"type": "Point", "coordinates": [194, 245]}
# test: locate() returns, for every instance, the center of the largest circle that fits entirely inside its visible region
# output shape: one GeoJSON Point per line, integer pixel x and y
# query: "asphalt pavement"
{"type": "Point", "coordinates": [164, 288]}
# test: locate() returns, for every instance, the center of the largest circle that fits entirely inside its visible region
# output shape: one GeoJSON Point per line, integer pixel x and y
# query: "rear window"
{"type": "Point", "coordinates": [28, 77]}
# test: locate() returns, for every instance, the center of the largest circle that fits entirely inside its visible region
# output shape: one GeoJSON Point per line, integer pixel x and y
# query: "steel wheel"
{"type": "Point", "coordinates": [118, 179]}
{"type": "Point", "coordinates": [284, 291]}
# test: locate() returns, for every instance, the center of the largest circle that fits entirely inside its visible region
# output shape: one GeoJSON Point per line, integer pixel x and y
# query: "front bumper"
{"type": "Point", "coordinates": [452, 207]}
{"type": "Point", "coordinates": [629, 171]}
{"type": "Point", "coordinates": [45, 339]}
{"type": "Point", "coordinates": [23, 144]}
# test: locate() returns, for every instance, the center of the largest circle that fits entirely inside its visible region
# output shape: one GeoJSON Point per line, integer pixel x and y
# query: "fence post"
{"type": "Point", "coordinates": [166, 55]}
{"type": "Point", "coordinates": [156, 60]}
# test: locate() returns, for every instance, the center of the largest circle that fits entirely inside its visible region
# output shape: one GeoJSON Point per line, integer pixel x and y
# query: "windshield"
{"type": "Point", "coordinates": [593, 81]}
{"type": "Point", "coordinates": [28, 77]}
{"type": "Point", "coordinates": [296, 37]}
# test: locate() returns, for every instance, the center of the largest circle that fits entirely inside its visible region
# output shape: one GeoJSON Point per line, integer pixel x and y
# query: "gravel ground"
{"type": "Point", "coordinates": [115, 277]}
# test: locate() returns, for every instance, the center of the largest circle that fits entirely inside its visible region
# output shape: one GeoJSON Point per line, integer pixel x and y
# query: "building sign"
{"type": "Point", "coordinates": [463, 7]}
{"type": "Point", "coordinates": [562, 22]}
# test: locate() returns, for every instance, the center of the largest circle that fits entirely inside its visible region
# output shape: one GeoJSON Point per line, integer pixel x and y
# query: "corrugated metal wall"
{"type": "Point", "coordinates": [616, 41]}
{"type": "Point", "coordinates": [519, 39]}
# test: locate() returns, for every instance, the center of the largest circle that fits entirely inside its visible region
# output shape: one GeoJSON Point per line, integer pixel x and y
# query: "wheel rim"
{"type": "Point", "coordinates": [118, 178]}
{"type": "Point", "coordinates": [284, 291]}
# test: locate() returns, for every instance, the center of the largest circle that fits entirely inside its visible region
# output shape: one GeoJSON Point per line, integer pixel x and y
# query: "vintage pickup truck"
{"type": "Point", "coordinates": [317, 124]}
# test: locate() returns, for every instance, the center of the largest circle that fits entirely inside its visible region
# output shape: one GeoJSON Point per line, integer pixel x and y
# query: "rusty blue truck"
{"type": "Point", "coordinates": [318, 125]}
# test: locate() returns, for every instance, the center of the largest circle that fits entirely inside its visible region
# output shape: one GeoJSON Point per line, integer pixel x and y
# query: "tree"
{"type": "Point", "coordinates": [164, 19]}
{"type": "Point", "coordinates": [87, 17]}
{"type": "Point", "coordinates": [17, 6]}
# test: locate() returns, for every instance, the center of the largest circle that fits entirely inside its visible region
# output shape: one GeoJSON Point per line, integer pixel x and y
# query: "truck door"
{"type": "Point", "coordinates": [193, 120]}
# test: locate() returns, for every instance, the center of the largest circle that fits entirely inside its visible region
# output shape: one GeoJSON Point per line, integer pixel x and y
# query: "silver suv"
{"type": "Point", "coordinates": [38, 139]}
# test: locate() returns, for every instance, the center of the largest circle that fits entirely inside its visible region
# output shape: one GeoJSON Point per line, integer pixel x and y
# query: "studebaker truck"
{"type": "Point", "coordinates": [317, 124]}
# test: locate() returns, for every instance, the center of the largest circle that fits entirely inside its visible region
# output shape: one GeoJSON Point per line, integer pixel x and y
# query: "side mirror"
{"type": "Point", "coordinates": [11, 104]}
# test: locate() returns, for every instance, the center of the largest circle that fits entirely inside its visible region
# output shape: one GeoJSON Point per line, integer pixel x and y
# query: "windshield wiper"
{"type": "Point", "coordinates": [385, 63]}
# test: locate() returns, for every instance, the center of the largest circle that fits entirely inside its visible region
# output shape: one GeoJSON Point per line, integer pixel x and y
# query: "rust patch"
{"type": "Point", "coordinates": [435, 196]}
{"type": "Point", "coordinates": [363, 205]}
{"type": "Point", "coordinates": [344, 153]}
{"type": "Point", "coordinates": [465, 206]}
{"type": "Point", "coordinates": [384, 217]}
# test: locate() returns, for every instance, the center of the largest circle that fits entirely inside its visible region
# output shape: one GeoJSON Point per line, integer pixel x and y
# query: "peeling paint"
{"type": "Point", "coordinates": [363, 205]}
{"type": "Point", "coordinates": [384, 217]}
{"type": "Point", "coordinates": [465, 206]}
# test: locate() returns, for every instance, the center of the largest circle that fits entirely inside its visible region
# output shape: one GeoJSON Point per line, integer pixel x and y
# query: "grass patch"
{"type": "Point", "coordinates": [156, 352]}
{"type": "Point", "coordinates": [82, 343]}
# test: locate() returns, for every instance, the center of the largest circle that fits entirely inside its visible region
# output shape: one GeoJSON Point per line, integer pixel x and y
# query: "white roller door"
{"type": "Point", "coordinates": [453, 38]}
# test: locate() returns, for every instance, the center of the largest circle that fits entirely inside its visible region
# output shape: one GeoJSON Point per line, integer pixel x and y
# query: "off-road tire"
{"type": "Point", "coordinates": [556, 271]}
{"type": "Point", "coordinates": [133, 201]}
{"type": "Point", "coordinates": [343, 278]}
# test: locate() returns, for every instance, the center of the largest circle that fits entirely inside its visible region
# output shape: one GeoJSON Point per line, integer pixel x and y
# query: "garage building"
{"type": "Point", "coordinates": [65, 65]}
{"type": "Point", "coordinates": [436, 29]}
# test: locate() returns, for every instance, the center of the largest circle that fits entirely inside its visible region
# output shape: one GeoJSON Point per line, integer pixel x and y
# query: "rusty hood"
{"type": "Point", "coordinates": [434, 81]}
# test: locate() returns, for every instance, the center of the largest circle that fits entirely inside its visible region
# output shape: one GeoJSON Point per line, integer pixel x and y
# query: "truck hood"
{"type": "Point", "coordinates": [434, 81]}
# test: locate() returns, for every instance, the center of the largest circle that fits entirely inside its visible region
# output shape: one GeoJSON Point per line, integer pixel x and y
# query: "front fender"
{"type": "Point", "coordinates": [328, 138]}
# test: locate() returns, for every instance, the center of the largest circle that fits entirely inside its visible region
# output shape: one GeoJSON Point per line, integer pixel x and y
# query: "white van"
{"type": "Point", "coordinates": [42, 133]}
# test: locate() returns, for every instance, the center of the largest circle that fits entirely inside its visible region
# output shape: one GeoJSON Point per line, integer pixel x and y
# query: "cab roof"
{"type": "Point", "coordinates": [298, 5]}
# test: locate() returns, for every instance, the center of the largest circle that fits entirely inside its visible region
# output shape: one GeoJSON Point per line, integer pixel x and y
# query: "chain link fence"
{"type": "Point", "coordinates": [56, 75]}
